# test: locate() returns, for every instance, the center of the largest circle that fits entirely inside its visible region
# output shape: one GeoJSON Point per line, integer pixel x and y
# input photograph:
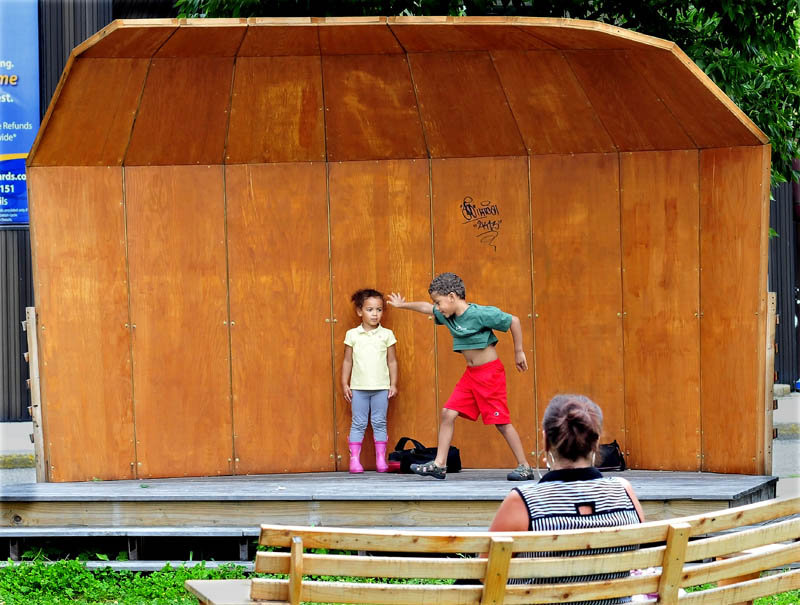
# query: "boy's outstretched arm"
{"type": "Point", "coordinates": [397, 300]}
{"type": "Point", "coordinates": [519, 351]}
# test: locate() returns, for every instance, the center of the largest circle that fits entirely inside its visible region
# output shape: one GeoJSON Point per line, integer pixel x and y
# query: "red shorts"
{"type": "Point", "coordinates": [482, 390]}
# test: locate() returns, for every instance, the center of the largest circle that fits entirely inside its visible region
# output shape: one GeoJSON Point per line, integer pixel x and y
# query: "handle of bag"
{"type": "Point", "coordinates": [401, 445]}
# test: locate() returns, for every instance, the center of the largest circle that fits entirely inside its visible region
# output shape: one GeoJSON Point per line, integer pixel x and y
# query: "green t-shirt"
{"type": "Point", "coordinates": [473, 328]}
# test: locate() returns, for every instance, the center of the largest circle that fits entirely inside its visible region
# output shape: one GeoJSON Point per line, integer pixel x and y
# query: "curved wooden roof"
{"type": "Point", "coordinates": [206, 91]}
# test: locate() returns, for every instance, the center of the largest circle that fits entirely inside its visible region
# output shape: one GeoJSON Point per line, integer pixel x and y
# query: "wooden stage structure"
{"type": "Point", "coordinates": [465, 500]}
{"type": "Point", "coordinates": [205, 196]}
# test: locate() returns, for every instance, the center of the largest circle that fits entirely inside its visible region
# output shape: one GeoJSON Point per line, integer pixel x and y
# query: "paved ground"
{"type": "Point", "coordinates": [16, 449]}
{"type": "Point", "coordinates": [786, 448]}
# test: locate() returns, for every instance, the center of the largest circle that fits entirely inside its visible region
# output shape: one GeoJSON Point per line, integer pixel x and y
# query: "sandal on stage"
{"type": "Point", "coordinates": [429, 469]}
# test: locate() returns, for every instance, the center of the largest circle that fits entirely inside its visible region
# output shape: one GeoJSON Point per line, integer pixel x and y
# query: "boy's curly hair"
{"type": "Point", "coordinates": [360, 296]}
{"type": "Point", "coordinates": [444, 283]}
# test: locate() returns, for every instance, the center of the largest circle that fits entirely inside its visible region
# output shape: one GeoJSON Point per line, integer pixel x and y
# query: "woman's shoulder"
{"type": "Point", "coordinates": [570, 489]}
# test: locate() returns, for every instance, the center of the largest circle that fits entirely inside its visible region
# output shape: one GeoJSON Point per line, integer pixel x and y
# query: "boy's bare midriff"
{"type": "Point", "coordinates": [478, 357]}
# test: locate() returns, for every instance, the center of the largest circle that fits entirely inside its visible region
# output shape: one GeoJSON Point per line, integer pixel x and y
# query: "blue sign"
{"type": "Point", "coordinates": [19, 103]}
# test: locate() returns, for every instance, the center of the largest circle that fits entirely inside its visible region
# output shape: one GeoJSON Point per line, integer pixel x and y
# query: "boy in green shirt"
{"type": "Point", "coordinates": [482, 388]}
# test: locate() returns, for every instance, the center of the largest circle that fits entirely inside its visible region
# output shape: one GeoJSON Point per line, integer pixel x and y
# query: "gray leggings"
{"type": "Point", "coordinates": [369, 405]}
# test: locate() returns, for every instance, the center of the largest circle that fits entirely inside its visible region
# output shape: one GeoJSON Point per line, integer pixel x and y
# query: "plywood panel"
{"type": "Point", "coordinates": [183, 115]}
{"type": "Point", "coordinates": [463, 106]}
{"type": "Point", "coordinates": [459, 37]}
{"type": "Point", "coordinates": [280, 311]}
{"type": "Point", "coordinates": [550, 107]}
{"type": "Point", "coordinates": [703, 115]}
{"type": "Point", "coordinates": [78, 240]}
{"type": "Point", "coordinates": [380, 238]}
{"type": "Point", "coordinates": [661, 299]}
{"type": "Point", "coordinates": [140, 41]}
{"type": "Point", "coordinates": [203, 41]}
{"type": "Point", "coordinates": [178, 298]}
{"type": "Point", "coordinates": [567, 35]}
{"type": "Point", "coordinates": [280, 40]}
{"type": "Point", "coordinates": [577, 282]}
{"type": "Point", "coordinates": [91, 122]}
{"type": "Point", "coordinates": [357, 40]}
{"type": "Point", "coordinates": [493, 259]}
{"type": "Point", "coordinates": [276, 111]}
{"type": "Point", "coordinates": [732, 288]}
{"type": "Point", "coordinates": [371, 110]}
{"type": "Point", "coordinates": [632, 113]}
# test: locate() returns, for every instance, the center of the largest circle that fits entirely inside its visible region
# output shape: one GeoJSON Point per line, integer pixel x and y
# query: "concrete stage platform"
{"type": "Point", "coordinates": [464, 500]}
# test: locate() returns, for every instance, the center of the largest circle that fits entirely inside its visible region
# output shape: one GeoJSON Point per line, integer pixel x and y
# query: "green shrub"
{"type": "Point", "coordinates": [69, 581]}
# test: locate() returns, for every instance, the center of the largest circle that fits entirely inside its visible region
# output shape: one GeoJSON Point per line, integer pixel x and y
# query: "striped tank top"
{"type": "Point", "coordinates": [553, 505]}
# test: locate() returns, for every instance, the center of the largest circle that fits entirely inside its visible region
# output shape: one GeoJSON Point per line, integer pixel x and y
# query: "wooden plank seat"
{"type": "Point", "coordinates": [721, 547]}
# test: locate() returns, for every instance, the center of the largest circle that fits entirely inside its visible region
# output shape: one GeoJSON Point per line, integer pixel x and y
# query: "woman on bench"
{"type": "Point", "coordinates": [573, 494]}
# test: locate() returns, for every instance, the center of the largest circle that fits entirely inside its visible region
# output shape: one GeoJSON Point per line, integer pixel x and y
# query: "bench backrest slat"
{"type": "Point", "coordinates": [745, 591]}
{"type": "Point", "coordinates": [342, 592]}
{"type": "Point", "coordinates": [743, 565]}
{"type": "Point", "coordinates": [717, 546]}
{"type": "Point", "coordinates": [472, 542]}
{"type": "Point", "coordinates": [580, 591]}
{"type": "Point", "coordinates": [438, 567]}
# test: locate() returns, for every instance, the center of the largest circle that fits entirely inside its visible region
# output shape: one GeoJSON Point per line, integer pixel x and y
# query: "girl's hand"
{"type": "Point", "coordinates": [392, 391]}
{"type": "Point", "coordinates": [396, 300]}
{"type": "Point", "coordinates": [348, 393]}
{"type": "Point", "coordinates": [521, 361]}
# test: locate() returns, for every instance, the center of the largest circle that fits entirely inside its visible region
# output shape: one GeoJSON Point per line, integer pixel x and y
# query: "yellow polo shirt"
{"type": "Point", "coordinates": [370, 369]}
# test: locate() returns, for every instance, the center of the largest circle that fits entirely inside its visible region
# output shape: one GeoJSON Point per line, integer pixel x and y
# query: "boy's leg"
{"type": "Point", "coordinates": [446, 429]}
{"type": "Point", "coordinates": [514, 442]}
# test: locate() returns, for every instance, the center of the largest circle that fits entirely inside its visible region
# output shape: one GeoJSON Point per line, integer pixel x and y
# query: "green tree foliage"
{"type": "Point", "coordinates": [749, 48]}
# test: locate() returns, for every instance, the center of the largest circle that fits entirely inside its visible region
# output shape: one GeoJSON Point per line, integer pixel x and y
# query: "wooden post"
{"type": "Point", "coordinates": [36, 408]}
{"type": "Point", "coordinates": [672, 565]}
{"type": "Point", "coordinates": [494, 583]}
{"type": "Point", "coordinates": [769, 370]}
{"type": "Point", "coordinates": [296, 570]}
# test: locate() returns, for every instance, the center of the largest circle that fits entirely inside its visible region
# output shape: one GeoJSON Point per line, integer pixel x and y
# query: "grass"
{"type": "Point", "coordinates": [69, 582]}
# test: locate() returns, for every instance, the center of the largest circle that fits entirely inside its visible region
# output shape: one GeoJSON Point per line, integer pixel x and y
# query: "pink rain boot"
{"type": "Point", "coordinates": [380, 457]}
{"type": "Point", "coordinates": [355, 452]}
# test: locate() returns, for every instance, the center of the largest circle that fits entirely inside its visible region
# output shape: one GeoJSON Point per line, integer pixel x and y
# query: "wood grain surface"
{"type": "Point", "coordinates": [661, 302]}
{"type": "Point", "coordinates": [577, 283]}
{"type": "Point", "coordinates": [276, 111]}
{"type": "Point", "coordinates": [179, 310]}
{"type": "Point", "coordinates": [492, 256]}
{"type": "Point", "coordinates": [731, 226]}
{"type": "Point", "coordinates": [371, 111]}
{"type": "Point", "coordinates": [78, 242]}
{"type": "Point", "coordinates": [183, 116]}
{"type": "Point", "coordinates": [280, 310]}
{"type": "Point", "coordinates": [463, 106]}
{"type": "Point", "coordinates": [89, 127]}
{"type": "Point", "coordinates": [380, 238]}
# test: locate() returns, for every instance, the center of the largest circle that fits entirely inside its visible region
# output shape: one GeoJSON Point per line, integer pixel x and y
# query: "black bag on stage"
{"type": "Point", "coordinates": [401, 459]}
{"type": "Point", "coordinates": [609, 457]}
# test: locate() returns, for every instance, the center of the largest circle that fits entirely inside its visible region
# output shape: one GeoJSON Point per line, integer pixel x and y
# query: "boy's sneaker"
{"type": "Point", "coordinates": [429, 469]}
{"type": "Point", "coordinates": [521, 473]}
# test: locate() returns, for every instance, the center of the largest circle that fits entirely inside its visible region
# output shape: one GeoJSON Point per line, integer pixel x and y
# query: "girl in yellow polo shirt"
{"type": "Point", "coordinates": [369, 377]}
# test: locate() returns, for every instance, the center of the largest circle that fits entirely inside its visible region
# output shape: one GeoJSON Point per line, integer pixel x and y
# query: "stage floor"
{"type": "Point", "coordinates": [466, 499]}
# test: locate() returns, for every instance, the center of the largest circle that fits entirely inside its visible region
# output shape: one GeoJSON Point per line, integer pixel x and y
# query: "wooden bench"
{"type": "Point", "coordinates": [725, 547]}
